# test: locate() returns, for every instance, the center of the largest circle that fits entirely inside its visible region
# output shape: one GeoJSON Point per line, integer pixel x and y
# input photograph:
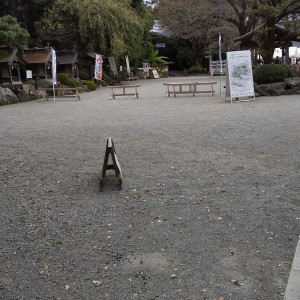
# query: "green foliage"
{"type": "Point", "coordinates": [153, 58]}
{"type": "Point", "coordinates": [57, 24]}
{"type": "Point", "coordinates": [30, 81]}
{"type": "Point", "coordinates": [185, 57]}
{"type": "Point", "coordinates": [67, 79]}
{"type": "Point", "coordinates": [196, 70]}
{"type": "Point", "coordinates": [27, 13]}
{"type": "Point", "coordinates": [84, 75]}
{"type": "Point", "coordinates": [112, 27]}
{"type": "Point", "coordinates": [11, 33]}
{"type": "Point", "coordinates": [111, 80]}
{"type": "Point", "coordinates": [270, 73]}
{"type": "Point", "coordinates": [91, 85]}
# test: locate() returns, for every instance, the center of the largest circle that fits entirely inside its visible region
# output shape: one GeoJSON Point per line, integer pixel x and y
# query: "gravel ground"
{"type": "Point", "coordinates": [209, 207]}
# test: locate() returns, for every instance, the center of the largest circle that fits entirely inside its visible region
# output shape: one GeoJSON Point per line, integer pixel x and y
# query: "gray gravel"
{"type": "Point", "coordinates": [209, 207]}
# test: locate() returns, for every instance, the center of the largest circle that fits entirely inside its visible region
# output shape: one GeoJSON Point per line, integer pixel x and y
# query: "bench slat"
{"type": "Point", "coordinates": [124, 93]}
{"type": "Point", "coordinates": [60, 93]}
{"type": "Point", "coordinates": [171, 88]}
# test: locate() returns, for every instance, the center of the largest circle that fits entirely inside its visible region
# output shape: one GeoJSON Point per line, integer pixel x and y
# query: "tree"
{"type": "Point", "coordinates": [271, 13]}
{"type": "Point", "coordinates": [11, 33]}
{"type": "Point", "coordinates": [245, 15]}
{"type": "Point", "coordinates": [27, 13]}
{"type": "Point", "coordinates": [192, 21]}
{"type": "Point", "coordinates": [237, 13]}
{"type": "Point", "coordinates": [112, 27]}
{"type": "Point", "coordinates": [198, 21]}
{"type": "Point", "coordinates": [153, 58]}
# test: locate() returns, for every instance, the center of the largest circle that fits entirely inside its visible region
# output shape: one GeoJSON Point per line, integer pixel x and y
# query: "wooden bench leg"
{"type": "Point", "coordinates": [193, 89]}
{"type": "Point", "coordinates": [77, 95]}
{"type": "Point", "coordinates": [45, 96]}
{"type": "Point", "coordinates": [112, 96]}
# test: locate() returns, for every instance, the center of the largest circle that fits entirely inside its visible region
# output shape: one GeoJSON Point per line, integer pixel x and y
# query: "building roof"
{"type": "Point", "coordinates": [92, 54]}
{"type": "Point", "coordinates": [280, 34]}
{"type": "Point", "coordinates": [37, 55]}
{"type": "Point", "coordinates": [66, 57]}
{"type": "Point", "coordinates": [9, 55]}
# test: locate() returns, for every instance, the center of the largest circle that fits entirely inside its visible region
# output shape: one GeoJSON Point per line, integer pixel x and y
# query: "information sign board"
{"type": "Point", "coordinates": [28, 74]}
{"type": "Point", "coordinates": [240, 74]}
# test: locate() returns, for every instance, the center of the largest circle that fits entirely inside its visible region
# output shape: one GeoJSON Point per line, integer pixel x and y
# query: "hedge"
{"type": "Point", "coordinates": [270, 73]}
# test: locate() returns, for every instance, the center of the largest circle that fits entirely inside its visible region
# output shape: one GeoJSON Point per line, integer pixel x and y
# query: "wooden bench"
{"type": "Point", "coordinates": [191, 88]}
{"type": "Point", "coordinates": [131, 77]}
{"type": "Point", "coordinates": [61, 92]}
{"type": "Point", "coordinates": [124, 90]}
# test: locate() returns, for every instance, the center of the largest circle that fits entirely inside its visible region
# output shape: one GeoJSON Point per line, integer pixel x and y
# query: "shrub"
{"type": "Point", "coordinates": [196, 70]}
{"type": "Point", "coordinates": [185, 57]}
{"type": "Point", "coordinates": [67, 79]}
{"type": "Point", "coordinates": [30, 82]}
{"type": "Point", "coordinates": [111, 80]}
{"type": "Point", "coordinates": [90, 84]}
{"type": "Point", "coordinates": [84, 75]}
{"type": "Point", "coordinates": [270, 73]}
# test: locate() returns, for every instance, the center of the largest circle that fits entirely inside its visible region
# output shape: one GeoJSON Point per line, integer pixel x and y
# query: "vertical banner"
{"type": "Point", "coordinates": [54, 77]}
{"type": "Point", "coordinates": [54, 67]}
{"type": "Point", "coordinates": [220, 53]}
{"type": "Point", "coordinates": [127, 64]}
{"type": "Point", "coordinates": [113, 65]}
{"type": "Point", "coordinates": [98, 67]}
{"type": "Point", "coordinates": [220, 62]}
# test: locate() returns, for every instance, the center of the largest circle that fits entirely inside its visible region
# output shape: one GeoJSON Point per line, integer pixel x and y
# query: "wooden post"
{"type": "Point", "coordinates": [110, 150]}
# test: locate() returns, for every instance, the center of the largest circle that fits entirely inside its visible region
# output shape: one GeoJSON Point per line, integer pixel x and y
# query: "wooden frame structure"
{"type": "Point", "coordinates": [110, 150]}
{"type": "Point", "coordinates": [10, 62]}
{"type": "Point", "coordinates": [39, 61]}
{"type": "Point", "coordinates": [123, 89]}
{"type": "Point", "coordinates": [178, 88]}
{"type": "Point", "coordinates": [67, 62]}
{"type": "Point", "coordinates": [61, 93]}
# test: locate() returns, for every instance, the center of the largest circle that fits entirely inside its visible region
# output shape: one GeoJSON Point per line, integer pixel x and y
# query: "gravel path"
{"type": "Point", "coordinates": [209, 207]}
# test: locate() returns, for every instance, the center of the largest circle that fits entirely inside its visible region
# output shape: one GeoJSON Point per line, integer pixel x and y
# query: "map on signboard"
{"type": "Point", "coordinates": [240, 74]}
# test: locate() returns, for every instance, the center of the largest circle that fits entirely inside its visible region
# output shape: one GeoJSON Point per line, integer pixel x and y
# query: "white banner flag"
{"type": "Point", "coordinates": [127, 64]}
{"type": "Point", "coordinates": [54, 67]}
{"type": "Point", "coordinates": [98, 67]}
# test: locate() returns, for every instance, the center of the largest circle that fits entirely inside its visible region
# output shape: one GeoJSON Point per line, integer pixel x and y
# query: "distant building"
{"type": "Point", "coordinates": [67, 62]}
{"type": "Point", "coordinates": [10, 62]}
{"type": "Point", "coordinates": [38, 60]}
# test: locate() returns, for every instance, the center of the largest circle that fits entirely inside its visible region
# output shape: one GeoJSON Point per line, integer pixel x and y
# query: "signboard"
{"type": "Point", "coordinates": [28, 74]}
{"type": "Point", "coordinates": [110, 150]}
{"type": "Point", "coordinates": [240, 75]}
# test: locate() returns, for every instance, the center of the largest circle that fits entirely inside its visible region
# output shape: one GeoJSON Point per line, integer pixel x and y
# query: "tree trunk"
{"type": "Point", "coordinates": [266, 39]}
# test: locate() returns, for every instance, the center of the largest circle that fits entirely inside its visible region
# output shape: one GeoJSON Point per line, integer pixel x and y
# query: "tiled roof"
{"type": "Point", "coordinates": [66, 57]}
{"type": "Point", "coordinates": [37, 56]}
{"type": "Point", "coordinates": [8, 55]}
